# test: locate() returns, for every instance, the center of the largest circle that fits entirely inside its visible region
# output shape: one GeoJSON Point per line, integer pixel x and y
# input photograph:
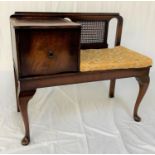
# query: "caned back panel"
{"type": "Point", "coordinates": [93, 33]}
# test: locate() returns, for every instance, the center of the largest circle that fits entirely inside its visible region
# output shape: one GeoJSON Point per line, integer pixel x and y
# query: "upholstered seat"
{"type": "Point", "coordinates": [112, 58]}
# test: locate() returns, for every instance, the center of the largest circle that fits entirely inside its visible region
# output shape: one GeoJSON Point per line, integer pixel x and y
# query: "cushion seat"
{"type": "Point", "coordinates": [112, 58]}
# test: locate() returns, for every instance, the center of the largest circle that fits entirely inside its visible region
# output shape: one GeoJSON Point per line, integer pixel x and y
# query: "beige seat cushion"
{"type": "Point", "coordinates": [112, 58]}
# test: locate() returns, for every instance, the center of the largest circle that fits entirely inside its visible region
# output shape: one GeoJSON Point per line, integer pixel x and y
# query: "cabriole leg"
{"type": "Point", "coordinates": [24, 98]}
{"type": "Point", "coordinates": [143, 85]}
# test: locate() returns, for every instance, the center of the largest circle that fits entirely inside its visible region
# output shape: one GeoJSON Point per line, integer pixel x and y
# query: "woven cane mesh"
{"type": "Point", "coordinates": [92, 31]}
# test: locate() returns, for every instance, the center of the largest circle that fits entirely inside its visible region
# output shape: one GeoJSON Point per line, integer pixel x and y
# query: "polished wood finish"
{"type": "Point", "coordinates": [112, 88]}
{"type": "Point", "coordinates": [80, 77]}
{"type": "Point", "coordinates": [24, 98]}
{"type": "Point", "coordinates": [46, 51]}
{"type": "Point", "coordinates": [143, 82]}
{"type": "Point", "coordinates": [46, 48]}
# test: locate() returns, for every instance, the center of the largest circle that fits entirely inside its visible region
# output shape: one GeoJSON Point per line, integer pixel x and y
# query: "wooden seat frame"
{"type": "Point", "coordinates": [26, 87]}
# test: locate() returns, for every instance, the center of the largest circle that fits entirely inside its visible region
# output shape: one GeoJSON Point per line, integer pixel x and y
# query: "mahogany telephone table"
{"type": "Point", "coordinates": [52, 49]}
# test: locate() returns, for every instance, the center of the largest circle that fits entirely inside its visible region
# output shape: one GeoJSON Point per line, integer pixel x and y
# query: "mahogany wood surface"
{"type": "Point", "coordinates": [80, 77]}
{"type": "Point", "coordinates": [24, 98]}
{"type": "Point", "coordinates": [57, 51]}
{"type": "Point", "coordinates": [46, 52]}
{"type": "Point", "coordinates": [112, 88]}
{"type": "Point", "coordinates": [143, 82]}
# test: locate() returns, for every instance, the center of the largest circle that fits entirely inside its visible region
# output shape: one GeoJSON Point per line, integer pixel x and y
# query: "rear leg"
{"type": "Point", "coordinates": [112, 88]}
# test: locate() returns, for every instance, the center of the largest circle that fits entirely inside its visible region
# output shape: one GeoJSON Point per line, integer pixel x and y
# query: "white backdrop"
{"type": "Point", "coordinates": [83, 123]}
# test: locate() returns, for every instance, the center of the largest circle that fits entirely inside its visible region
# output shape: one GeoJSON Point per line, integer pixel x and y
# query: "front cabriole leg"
{"type": "Point", "coordinates": [143, 82]}
{"type": "Point", "coordinates": [24, 98]}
